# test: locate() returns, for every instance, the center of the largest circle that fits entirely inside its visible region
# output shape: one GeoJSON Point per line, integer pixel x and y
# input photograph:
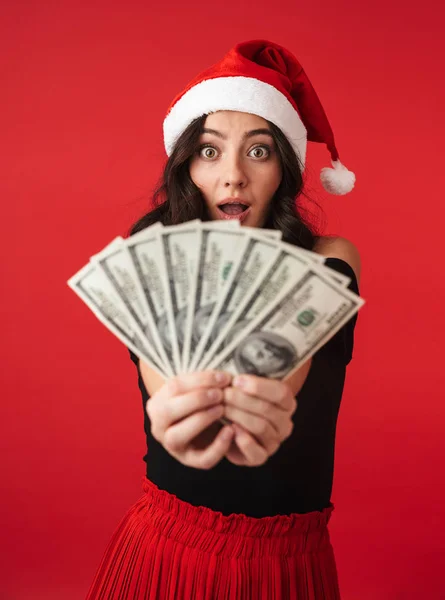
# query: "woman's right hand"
{"type": "Point", "coordinates": [184, 415]}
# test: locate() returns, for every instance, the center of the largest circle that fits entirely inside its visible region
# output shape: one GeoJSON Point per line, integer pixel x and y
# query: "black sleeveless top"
{"type": "Point", "coordinates": [298, 477]}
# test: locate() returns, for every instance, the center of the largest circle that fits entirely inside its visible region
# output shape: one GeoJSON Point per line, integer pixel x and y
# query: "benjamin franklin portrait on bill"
{"type": "Point", "coordinates": [265, 354]}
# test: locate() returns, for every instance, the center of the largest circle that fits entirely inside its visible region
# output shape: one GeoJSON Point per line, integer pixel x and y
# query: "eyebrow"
{"type": "Point", "coordinates": [247, 134]}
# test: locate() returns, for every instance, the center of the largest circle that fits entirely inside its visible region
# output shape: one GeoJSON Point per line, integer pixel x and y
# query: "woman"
{"type": "Point", "coordinates": [240, 510]}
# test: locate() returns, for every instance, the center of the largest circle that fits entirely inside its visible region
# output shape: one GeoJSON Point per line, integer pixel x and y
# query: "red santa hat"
{"type": "Point", "coordinates": [262, 78]}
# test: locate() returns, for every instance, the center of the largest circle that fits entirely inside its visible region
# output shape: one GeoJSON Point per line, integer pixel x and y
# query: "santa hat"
{"type": "Point", "coordinates": [264, 79]}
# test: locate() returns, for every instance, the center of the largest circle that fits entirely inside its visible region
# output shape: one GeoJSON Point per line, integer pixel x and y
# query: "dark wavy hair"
{"type": "Point", "coordinates": [176, 199]}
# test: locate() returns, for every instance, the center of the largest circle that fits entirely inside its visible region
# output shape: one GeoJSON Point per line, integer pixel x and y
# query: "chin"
{"type": "Point", "coordinates": [254, 221]}
{"type": "Point", "coordinates": [251, 220]}
{"type": "Point", "coordinates": [250, 223]}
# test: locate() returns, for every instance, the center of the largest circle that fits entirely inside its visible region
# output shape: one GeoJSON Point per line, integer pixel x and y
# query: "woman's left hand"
{"type": "Point", "coordinates": [261, 410]}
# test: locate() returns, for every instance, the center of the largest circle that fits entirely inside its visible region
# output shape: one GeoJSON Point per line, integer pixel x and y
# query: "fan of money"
{"type": "Point", "coordinates": [216, 295]}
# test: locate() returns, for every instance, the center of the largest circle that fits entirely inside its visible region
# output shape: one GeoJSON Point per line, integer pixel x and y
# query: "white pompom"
{"type": "Point", "coordinates": [338, 180]}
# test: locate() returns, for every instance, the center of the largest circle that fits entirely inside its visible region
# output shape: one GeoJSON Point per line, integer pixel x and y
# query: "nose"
{"type": "Point", "coordinates": [234, 174]}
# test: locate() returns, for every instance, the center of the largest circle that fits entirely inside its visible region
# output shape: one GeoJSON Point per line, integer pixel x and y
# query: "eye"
{"type": "Point", "coordinates": [264, 149]}
{"type": "Point", "coordinates": [208, 148]}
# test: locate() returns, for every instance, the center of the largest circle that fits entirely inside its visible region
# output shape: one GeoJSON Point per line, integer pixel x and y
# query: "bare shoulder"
{"type": "Point", "coordinates": [340, 247]}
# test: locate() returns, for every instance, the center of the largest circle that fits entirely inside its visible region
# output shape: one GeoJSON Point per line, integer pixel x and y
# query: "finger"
{"type": "Point", "coordinates": [235, 456]}
{"type": "Point", "coordinates": [255, 406]}
{"type": "Point", "coordinates": [186, 382]}
{"type": "Point", "coordinates": [208, 458]}
{"type": "Point", "coordinates": [178, 436]}
{"type": "Point", "coordinates": [255, 454]}
{"type": "Point", "coordinates": [266, 435]}
{"type": "Point", "coordinates": [273, 390]}
{"type": "Point", "coordinates": [182, 406]}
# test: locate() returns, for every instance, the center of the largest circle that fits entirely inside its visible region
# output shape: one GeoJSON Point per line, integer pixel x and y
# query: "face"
{"type": "Point", "coordinates": [263, 355]}
{"type": "Point", "coordinates": [236, 167]}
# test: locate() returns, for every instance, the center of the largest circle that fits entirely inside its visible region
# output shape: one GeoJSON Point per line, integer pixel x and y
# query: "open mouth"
{"type": "Point", "coordinates": [234, 210]}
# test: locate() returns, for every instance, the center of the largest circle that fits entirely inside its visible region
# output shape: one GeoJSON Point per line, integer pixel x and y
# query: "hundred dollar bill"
{"type": "Point", "coordinates": [146, 252]}
{"type": "Point", "coordinates": [218, 252]}
{"type": "Point", "coordinates": [284, 335]}
{"type": "Point", "coordinates": [180, 246]}
{"type": "Point", "coordinates": [94, 288]}
{"type": "Point", "coordinates": [289, 265]}
{"type": "Point", "coordinates": [259, 251]}
{"type": "Point", "coordinates": [117, 263]}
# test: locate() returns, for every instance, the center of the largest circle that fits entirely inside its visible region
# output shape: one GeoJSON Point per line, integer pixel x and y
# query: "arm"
{"type": "Point", "coordinates": [151, 378]}
{"type": "Point", "coordinates": [296, 379]}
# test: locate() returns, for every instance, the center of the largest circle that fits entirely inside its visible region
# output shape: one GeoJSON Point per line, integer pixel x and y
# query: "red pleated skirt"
{"type": "Point", "coordinates": [167, 549]}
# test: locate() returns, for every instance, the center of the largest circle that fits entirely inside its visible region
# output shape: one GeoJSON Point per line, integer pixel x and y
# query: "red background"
{"type": "Point", "coordinates": [85, 88]}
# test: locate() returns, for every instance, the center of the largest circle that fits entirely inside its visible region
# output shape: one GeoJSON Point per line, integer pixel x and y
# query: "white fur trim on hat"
{"type": "Point", "coordinates": [338, 180]}
{"type": "Point", "coordinates": [243, 94]}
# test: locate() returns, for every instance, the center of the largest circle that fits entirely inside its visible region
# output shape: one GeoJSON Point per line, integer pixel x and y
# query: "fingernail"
{"type": "Point", "coordinates": [214, 394]}
{"type": "Point", "coordinates": [239, 381]}
{"type": "Point", "coordinates": [222, 377]}
{"type": "Point", "coordinates": [227, 434]}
